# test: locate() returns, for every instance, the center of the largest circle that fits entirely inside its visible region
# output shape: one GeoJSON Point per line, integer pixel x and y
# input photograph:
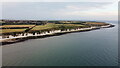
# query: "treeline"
{"type": "Point", "coordinates": [36, 22]}
{"type": "Point", "coordinates": [67, 22]}
{"type": "Point", "coordinates": [10, 23]}
{"type": "Point", "coordinates": [22, 22]}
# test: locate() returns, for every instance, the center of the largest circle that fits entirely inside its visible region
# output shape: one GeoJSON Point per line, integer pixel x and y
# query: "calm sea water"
{"type": "Point", "coordinates": [93, 48]}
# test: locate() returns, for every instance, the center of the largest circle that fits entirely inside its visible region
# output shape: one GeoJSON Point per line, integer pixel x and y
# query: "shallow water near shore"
{"type": "Point", "coordinates": [92, 48]}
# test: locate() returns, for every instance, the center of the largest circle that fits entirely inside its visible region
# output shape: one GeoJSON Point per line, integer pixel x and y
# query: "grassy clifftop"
{"type": "Point", "coordinates": [50, 25]}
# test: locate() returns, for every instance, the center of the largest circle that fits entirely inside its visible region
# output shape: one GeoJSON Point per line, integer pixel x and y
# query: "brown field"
{"type": "Point", "coordinates": [11, 30]}
{"type": "Point", "coordinates": [95, 23]}
{"type": "Point", "coordinates": [7, 26]}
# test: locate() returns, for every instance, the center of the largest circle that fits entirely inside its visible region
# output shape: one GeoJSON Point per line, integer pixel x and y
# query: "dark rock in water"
{"type": "Point", "coordinates": [112, 25]}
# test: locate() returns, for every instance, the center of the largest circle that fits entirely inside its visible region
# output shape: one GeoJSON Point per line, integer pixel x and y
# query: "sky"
{"type": "Point", "coordinates": [59, 0]}
{"type": "Point", "coordinates": [60, 10]}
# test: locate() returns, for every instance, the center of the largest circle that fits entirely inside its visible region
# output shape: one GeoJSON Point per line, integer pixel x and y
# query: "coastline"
{"type": "Point", "coordinates": [45, 35]}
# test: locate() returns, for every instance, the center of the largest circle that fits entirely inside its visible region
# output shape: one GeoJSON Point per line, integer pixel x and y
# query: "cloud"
{"type": "Point", "coordinates": [56, 10]}
{"type": "Point", "coordinates": [90, 10]}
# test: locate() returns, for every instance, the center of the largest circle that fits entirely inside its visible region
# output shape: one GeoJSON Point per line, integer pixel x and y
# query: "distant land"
{"type": "Point", "coordinates": [12, 31]}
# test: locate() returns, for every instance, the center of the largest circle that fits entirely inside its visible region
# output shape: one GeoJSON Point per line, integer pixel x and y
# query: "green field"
{"type": "Point", "coordinates": [50, 26]}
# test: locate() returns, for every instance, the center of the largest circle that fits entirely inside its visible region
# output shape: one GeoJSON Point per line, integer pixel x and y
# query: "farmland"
{"type": "Point", "coordinates": [16, 27]}
{"type": "Point", "coordinates": [48, 26]}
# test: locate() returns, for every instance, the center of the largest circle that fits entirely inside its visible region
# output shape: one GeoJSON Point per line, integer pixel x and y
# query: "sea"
{"type": "Point", "coordinates": [91, 48]}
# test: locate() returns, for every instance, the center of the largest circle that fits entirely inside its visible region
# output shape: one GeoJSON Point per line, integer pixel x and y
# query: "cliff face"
{"type": "Point", "coordinates": [18, 31]}
{"type": "Point", "coordinates": [9, 39]}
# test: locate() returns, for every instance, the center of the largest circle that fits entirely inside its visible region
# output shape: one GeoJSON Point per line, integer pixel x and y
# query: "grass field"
{"type": "Point", "coordinates": [57, 26]}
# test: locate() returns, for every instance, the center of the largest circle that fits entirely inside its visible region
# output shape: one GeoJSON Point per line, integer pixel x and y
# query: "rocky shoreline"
{"type": "Point", "coordinates": [21, 39]}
